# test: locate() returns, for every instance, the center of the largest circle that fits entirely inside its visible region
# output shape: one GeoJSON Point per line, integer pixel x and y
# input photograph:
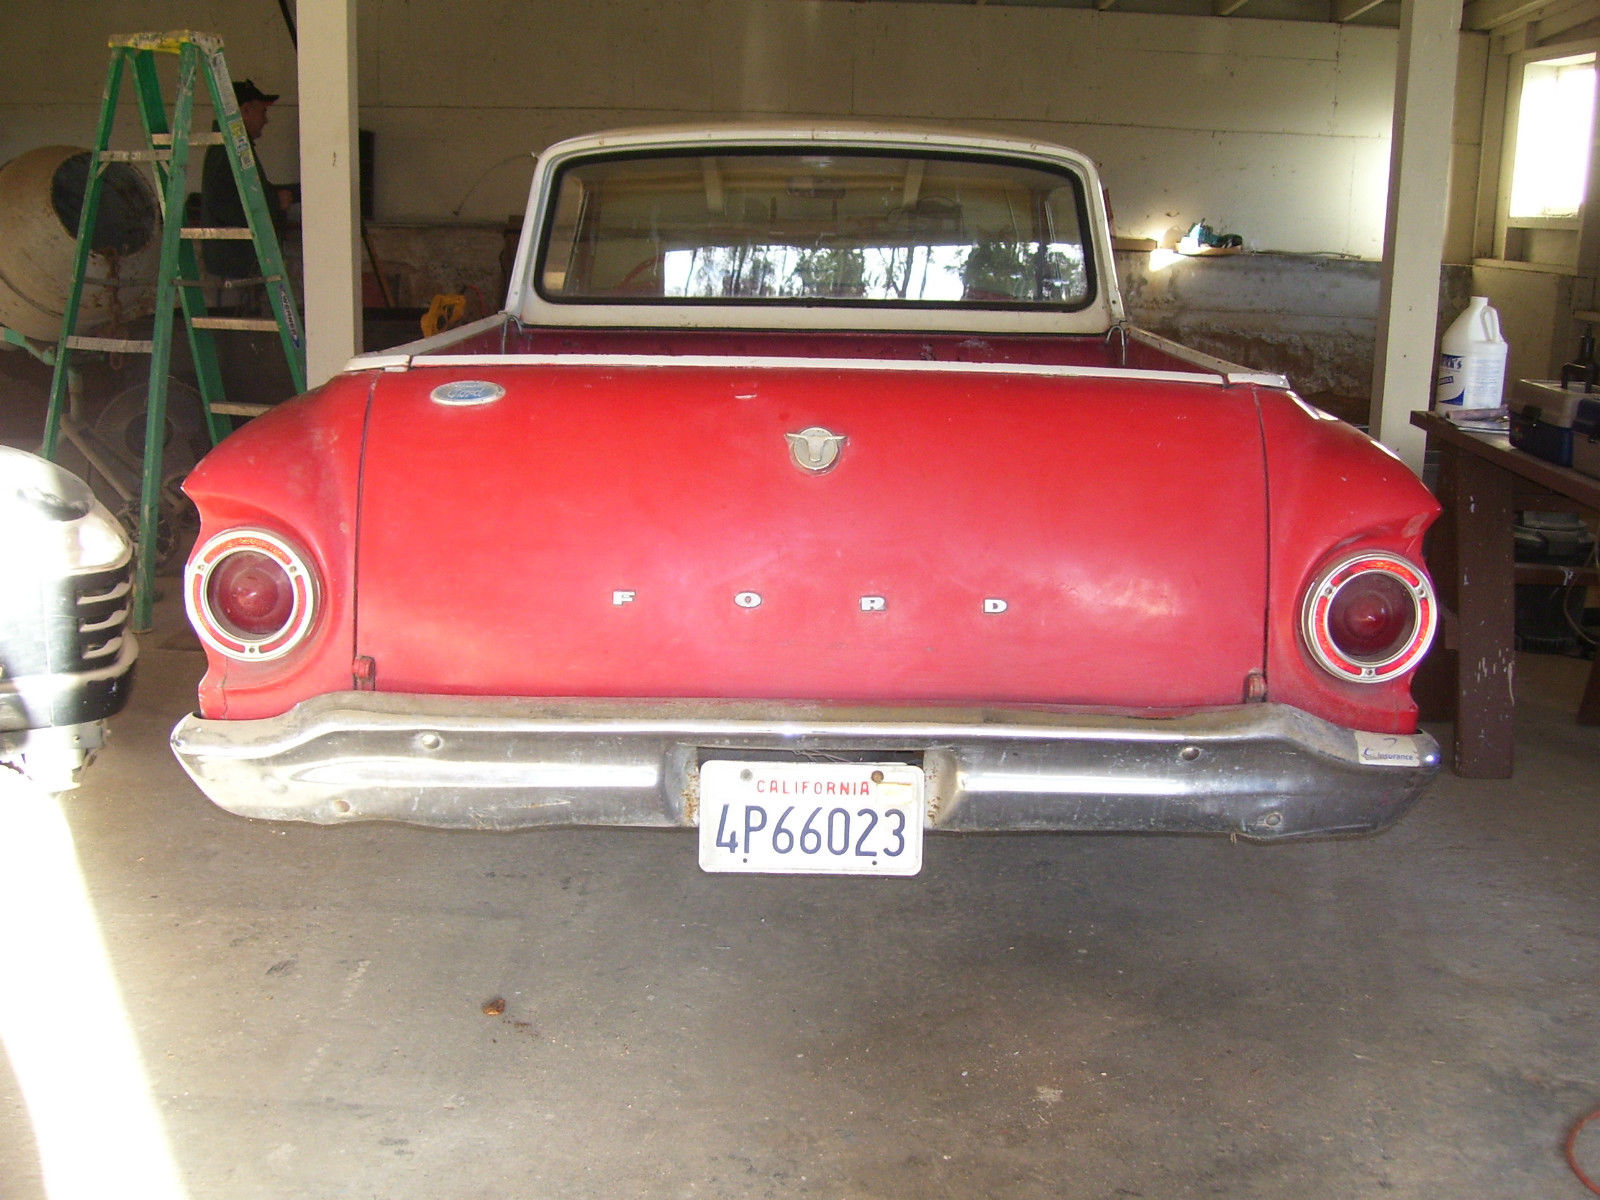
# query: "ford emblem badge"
{"type": "Point", "coordinates": [466, 391]}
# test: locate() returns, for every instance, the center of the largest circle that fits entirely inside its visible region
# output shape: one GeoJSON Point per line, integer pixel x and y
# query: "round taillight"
{"type": "Point", "coordinates": [1370, 617]}
{"type": "Point", "coordinates": [250, 594]}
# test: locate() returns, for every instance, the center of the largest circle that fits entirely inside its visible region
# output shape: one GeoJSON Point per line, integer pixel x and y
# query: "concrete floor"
{"type": "Point", "coordinates": [314, 1011]}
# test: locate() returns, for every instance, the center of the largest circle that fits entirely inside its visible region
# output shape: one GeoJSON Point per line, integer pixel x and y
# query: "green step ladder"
{"type": "Point", "coordinates": [179, 284]}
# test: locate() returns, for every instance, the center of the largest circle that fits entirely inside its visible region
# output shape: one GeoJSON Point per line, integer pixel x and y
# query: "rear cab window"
{"type": "Point", "coordinates": [868, 228]}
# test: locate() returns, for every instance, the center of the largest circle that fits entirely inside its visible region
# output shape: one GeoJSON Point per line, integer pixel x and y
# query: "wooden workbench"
{"type": "Point", "coordinates": [1483, 481]}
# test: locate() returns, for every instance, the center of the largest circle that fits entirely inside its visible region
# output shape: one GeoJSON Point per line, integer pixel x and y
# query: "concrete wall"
{"type": "Point", "coordinates": [1311, 318]}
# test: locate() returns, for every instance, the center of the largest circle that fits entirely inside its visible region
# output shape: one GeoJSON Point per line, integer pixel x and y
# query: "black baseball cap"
{"type": "Point", "coordinates": [245, 90]}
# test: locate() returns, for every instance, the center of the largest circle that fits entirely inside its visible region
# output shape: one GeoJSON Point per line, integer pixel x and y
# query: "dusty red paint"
{"type": "Point", "coordinates": [590, 533]}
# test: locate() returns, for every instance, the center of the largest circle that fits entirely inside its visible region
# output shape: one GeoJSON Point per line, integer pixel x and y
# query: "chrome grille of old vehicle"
{"type": "Point", "coordinates": [102, 606]}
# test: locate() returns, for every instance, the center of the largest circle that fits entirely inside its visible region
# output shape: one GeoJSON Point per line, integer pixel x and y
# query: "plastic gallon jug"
{"type": "Point", "coordinates": [1472, 361]}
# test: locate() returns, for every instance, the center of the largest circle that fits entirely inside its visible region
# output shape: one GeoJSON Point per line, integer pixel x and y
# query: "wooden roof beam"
{"type": "Point", "coordinates": [1484, 15]}
{"type": "Point", "coordinates": [1349, 10]}
{"type": "Point", "coordinates": [1555, 19]}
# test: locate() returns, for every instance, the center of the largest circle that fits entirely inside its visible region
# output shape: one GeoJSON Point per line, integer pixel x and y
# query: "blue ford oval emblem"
{"type": "Point", "coordinates": [466, 391]}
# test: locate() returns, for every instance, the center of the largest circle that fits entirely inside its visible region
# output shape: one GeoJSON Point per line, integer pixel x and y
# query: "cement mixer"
{"type": "Point", "coordinates": [41, 197]}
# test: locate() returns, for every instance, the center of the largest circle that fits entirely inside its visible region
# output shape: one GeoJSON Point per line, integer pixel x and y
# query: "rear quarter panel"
{"type": "Point", "coordinates": [1334, 492]}
{"type": "Point", "coordinates": [293, 471]}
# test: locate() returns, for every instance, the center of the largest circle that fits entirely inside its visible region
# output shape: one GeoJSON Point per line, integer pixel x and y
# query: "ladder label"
{"type": "Point", "coordinates": [241, 141]}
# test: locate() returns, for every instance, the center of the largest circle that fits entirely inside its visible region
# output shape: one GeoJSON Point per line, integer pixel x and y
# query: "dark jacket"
{"type": "Point", "coordinates": [222, 206]}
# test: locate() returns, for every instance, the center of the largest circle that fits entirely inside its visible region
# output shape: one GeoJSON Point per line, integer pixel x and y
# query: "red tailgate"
{"type": "Point", "coordinates": [644, 531]}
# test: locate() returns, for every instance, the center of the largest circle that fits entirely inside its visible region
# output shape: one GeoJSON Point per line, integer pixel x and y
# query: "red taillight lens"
{"type": "Point", "coordinates": [1370, 617]}
{"type": "Point", "coordinates": [251, 594]}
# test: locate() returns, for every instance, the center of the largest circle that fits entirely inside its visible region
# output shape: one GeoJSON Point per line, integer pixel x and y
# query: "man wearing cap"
{"type": "Point", "coordinates": [221, 205]}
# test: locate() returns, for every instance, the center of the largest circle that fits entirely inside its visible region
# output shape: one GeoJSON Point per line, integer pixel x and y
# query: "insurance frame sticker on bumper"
{"type": "Point", "coordinates": [803, 818]}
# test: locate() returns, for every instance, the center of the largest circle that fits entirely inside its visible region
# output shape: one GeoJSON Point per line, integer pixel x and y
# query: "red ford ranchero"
{"type": "Point", "coordinates": [811, 490]}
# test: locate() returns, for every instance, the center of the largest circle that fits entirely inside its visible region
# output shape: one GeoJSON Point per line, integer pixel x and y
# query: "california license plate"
{"type": "Point", "coordinates": [791, 818]}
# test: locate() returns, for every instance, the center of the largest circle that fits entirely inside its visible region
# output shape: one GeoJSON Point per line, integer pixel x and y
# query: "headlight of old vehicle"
{"type": "Point", "coordinates": [62, 524]}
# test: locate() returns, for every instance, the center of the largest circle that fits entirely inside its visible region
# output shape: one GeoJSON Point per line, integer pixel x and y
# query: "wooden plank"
{"type": "Point", "coordinates": [1484, 15]}
{"type": "Point", "coordinates": [1486, 619]}
{"type": "Point", "coordinates": [1349, 10]}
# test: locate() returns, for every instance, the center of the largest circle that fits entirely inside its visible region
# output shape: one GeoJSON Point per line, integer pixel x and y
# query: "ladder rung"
{"type": "Point", "coordinates": [243, 281]}
{"type": "Point", "coordinates": [111, 345]}
{"type": "Point", "coordinates": [214, 138]}
{"type": "Point", "coordinates": [258, 324]}
{"type": "Point", "coordinates": [134, 156]}
{"type": "Point", "coordinates": [229, 408]}
{"type": "Point", "coordinates": [206, 233]}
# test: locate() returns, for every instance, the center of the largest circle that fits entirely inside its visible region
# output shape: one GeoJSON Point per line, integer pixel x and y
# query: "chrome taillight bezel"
{"type": "Point", "coordinates": [214, 631]}
{"type": "Point", "coordinates": [1325, 588]}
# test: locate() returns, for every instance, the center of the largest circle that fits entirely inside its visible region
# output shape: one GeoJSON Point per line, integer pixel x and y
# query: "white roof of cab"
{"type": "Point", "coordinates": [529, 306]}
{"type": "Point", "coordinates": [834, 133]}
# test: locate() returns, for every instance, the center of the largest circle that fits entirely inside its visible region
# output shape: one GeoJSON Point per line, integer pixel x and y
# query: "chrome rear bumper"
{"type": "Point", "coordinates": [1261, 771]}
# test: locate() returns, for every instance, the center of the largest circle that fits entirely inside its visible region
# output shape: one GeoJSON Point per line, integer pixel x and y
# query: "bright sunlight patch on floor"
{"type": "Point", "coordinates": [62, 1022]}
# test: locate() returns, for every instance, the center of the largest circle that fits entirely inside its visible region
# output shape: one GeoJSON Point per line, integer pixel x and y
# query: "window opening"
{"type": "Point", "coordinates": [1550, 170]}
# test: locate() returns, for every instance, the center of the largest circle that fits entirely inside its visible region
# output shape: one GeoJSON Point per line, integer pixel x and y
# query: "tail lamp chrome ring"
{"type": "Point", "coordinates": [1396, 657]}
{"type": "Point", "coordinates": [222, 635]}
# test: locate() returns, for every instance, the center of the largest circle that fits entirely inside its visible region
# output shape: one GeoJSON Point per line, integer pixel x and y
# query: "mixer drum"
{"type": "Point", "coordinates": [41, 197]}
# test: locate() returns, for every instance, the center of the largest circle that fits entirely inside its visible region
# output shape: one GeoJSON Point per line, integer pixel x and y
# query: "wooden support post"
{"type": "Point", "coordinates": [329, 171]}
{"type": "Point", "coordinates": [1483, 515]}
{"type": "Point", "coordinates": [1413, 244]}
